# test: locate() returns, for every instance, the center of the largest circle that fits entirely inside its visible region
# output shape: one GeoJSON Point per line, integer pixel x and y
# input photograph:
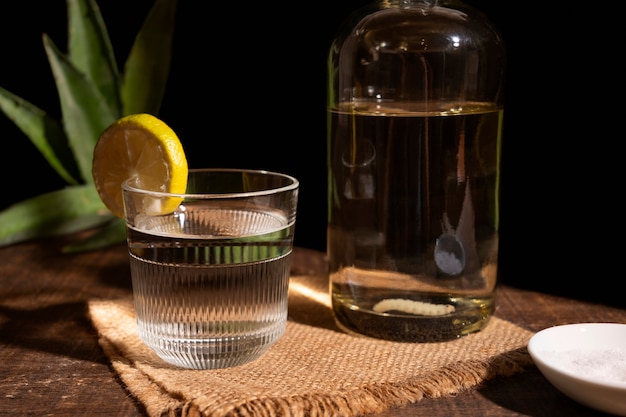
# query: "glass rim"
{"type": "Point", "coordinates": [292, 184]}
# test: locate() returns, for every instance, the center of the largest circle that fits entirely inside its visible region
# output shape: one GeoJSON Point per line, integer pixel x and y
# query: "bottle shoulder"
{"type": "Point", "coordinates": [420, 25]}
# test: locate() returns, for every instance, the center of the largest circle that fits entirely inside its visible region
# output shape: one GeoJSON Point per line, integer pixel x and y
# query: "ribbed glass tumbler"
{"type": "Point", "coordinates": [210, 280]}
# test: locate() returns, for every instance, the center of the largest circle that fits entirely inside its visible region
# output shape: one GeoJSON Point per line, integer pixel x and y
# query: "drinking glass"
{"type": "Point", "coordinates": [210, 278]}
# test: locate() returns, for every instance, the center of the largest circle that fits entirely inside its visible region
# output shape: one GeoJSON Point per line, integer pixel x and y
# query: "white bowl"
{"type": "Point", "coordinates": [586, 362]}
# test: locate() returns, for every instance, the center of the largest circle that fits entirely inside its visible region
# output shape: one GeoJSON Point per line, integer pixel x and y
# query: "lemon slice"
{"type": "Point", "coordinates": [142, 147]}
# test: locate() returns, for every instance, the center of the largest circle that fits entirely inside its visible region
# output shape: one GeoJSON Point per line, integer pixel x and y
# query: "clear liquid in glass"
{"type": "Point", "coordinates": [206, 301]}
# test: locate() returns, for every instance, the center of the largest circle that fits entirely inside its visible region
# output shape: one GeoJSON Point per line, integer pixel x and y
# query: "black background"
{"type": "Point", "coordinates": [247, 89]}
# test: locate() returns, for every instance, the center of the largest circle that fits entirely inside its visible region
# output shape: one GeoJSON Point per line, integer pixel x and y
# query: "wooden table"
{"type": "Point", "coordinates": [51, 363]}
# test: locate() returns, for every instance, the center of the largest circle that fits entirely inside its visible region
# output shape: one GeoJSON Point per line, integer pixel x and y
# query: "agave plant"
{"type": "Point", "coordinates": [93, 93]}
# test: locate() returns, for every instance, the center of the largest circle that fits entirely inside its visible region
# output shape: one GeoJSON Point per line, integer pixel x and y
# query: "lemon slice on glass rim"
{"type": "Point", "coordinates": [144, 148]}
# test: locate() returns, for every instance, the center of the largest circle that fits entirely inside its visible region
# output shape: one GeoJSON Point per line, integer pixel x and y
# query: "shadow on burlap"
{"type": "Point", "coordinates": [313, 370]}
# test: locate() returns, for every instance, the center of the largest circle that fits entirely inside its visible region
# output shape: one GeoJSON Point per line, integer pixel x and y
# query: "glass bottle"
{"type": "Point", "coordinates": [415, 114]}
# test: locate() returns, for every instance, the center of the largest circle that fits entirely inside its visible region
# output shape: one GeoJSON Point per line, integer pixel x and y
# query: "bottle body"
{"type": "Point", "coordinates": [415, 118]}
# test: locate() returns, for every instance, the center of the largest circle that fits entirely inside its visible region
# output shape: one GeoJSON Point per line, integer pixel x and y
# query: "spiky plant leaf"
{"type": "Point", "coordinates": [85, 112]}
{"type": "Point", "coordinates": [113, 232]}
{"type": "Point", "coordinates": [57, 213]}
{"type": "Point", "coordinates": [45, 133]}
{"type": "Point", "coordinates": [91, 52]}
{"type": "Point", "coordinates": [148, 64]}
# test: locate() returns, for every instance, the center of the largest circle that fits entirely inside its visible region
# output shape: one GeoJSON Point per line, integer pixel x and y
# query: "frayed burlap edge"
{"type": "Point", "coordinates": [372, 398]}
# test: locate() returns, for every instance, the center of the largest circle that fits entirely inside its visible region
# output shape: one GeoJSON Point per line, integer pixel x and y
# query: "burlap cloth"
{"type": "Point", "coordinates": [313, 370]}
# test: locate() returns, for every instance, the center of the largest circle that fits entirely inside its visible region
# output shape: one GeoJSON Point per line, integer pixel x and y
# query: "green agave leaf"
{"type": "Point", "coordinates": [148, 65]}
{"type": "Point", "coordinates": [91, 52]}
{"type": "Point", "coordinates": [44, 132]}
{"type": "Point", "coordinates": [85, 112]}
{"type": "Point", "coordinates": [111, 233]}
{"type": "Point", "coordinates": [57, 213]}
